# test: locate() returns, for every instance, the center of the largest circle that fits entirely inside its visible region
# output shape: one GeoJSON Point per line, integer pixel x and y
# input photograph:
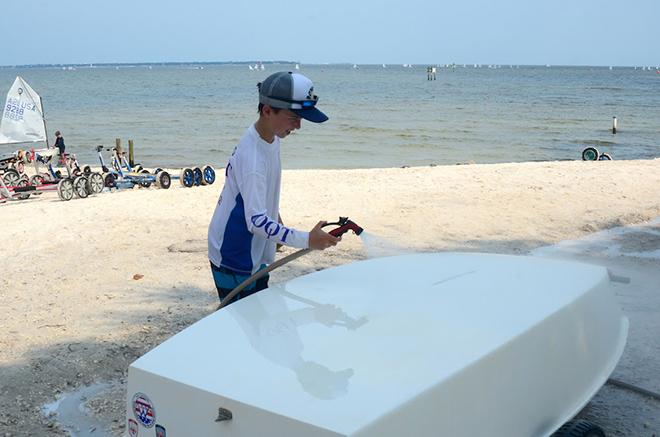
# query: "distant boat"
{"type": "Point", "coordinates": [23, 118]}
{"type": "Point", "coordinates": [297, 67]}
{"type": "Point", "coordinates": [250, 67]}
{"type": "Point", "coordinates": [355, 66]}
{"type": "Point", "coordinates": [384, 66]}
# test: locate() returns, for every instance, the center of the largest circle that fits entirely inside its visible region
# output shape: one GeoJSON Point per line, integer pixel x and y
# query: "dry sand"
{"type": "Point", "coordinates": [89, 285]}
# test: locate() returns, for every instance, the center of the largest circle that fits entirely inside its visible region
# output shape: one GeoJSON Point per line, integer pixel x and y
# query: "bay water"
{"type": "Point", "coordinates": [380, 116]}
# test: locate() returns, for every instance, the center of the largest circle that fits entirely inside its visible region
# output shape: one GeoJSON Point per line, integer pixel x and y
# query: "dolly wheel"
{"type": "Point", "coordinates": [590, 154]}
{"type": "Point", "coordinates": [95, 183]}
{"type": "Point", "coordinates": [197, 176]}
{"type": "Point", "coordinates": [579, 428]}
{"type": "Point", "coordinates": [209, 175]}
{"type": "Point", "coordinates": [11, 177]}
{"type": "Point", "coordinates": [23, 183]}
{"type": "Point", "coordinates": [110, 180]}
{"type": "Point", "coordinates": [65, 189]}
{"type": "Point", "coordinates": [80, 186]}
{"type": "Point", "coordinates": [187, 177]}
{"type": "Point", "coordinates": [146, 182]}
{"type": "Point", "coordinates": [163, 180]}
{"type": "Point", "coordinates": [36, 180]}
{"type": "Point", "coordinates": [604, 157]}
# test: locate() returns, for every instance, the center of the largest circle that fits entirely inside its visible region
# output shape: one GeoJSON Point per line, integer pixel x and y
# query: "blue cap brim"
{"type": "Point", "coordinates": [311, 114]}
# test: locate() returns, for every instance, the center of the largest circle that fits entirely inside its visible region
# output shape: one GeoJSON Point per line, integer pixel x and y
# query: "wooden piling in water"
{"type": "Point", "coordinates": [614, 125]}
{"type": "Point", "coordinates": [130, 153]}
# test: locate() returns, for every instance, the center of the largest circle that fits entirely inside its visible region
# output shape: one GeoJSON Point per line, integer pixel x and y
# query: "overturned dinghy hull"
{"type": "Point", "coordinates": [447, 344]}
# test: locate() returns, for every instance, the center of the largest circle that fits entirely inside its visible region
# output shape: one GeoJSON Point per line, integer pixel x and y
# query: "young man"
{"type": "Point", "coordinates": [246, 225]}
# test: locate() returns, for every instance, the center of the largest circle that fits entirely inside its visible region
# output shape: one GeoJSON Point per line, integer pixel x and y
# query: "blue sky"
{"type": "Point", "coordinates": [576, 32]}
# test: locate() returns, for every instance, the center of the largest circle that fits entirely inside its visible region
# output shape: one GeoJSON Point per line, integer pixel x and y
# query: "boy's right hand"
{"type": "Point", "coordinates": [319, 239]}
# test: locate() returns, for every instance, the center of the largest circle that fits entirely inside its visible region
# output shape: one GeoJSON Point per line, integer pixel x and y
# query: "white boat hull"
{"type": "Point", "coordinates": [448, 344]}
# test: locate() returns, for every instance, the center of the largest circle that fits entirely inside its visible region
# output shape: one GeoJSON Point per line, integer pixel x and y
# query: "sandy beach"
{"type": "Point", "coordinates": [91, 284]}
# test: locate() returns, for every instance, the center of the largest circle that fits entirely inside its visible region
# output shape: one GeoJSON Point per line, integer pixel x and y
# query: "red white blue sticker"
{"type": "Point", "coordinates": [160, 431]}
{"type": "Point", "coordinates": [132, 428]}
{"type": "Point", "coordinates": [143, 410]}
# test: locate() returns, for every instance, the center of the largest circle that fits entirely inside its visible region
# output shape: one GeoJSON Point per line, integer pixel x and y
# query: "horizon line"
{"type": "Point", "coordinates": [274, 62]}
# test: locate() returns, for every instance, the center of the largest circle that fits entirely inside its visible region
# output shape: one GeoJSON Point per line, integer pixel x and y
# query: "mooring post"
{"type": "Point", "coordinates": [118, 146]}
{"type": "Point", "coordinates": [614, 123]}
{"type": "Point", "coordinates": [130, 153]}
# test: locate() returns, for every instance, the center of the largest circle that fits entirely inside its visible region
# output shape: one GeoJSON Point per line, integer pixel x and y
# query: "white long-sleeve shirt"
{"type": "Point", "coordinates": [244, 229]}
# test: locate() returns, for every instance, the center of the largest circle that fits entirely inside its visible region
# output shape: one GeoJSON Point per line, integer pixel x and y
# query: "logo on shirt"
{"type": "Point", "coordinates": [270, 227]}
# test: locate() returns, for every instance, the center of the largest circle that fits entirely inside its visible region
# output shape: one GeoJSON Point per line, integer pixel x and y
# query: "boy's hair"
{"type": "Point", "coordinates": [261, 106]}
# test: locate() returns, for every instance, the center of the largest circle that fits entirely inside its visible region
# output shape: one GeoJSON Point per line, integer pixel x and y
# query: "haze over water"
{"type": "Point", "coordinates": [181, 115]}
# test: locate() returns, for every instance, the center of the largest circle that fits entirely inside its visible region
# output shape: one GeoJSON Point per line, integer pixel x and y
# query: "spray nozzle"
{"type": "Point", "coordinates": [344, 225]}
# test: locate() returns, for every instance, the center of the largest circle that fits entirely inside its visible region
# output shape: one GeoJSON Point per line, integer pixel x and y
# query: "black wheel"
{"type": "Point", "coordinates": [110, 180]}
{"type": "Point", "coordinates": [146, 183]}
{"type": "Point", "coordinates": [80, 186]}
{"type": "Point", "coordinates": [11, 177]}
{"type": "Point", "coordinates": [590, 154]}
{"type": "Point", "coordinates": [95, 183]}
{"type": "Point", "coordinates": [187, 177]}
{"type": "Point", "coordinates": [163, 180]}
{"type": "Point", "coordinates": [65, 189]}
{"type": "Point", "coordinates": [604, 157]}
{"type": "Point", "coordinates": [197, 176]}
{"type": "Point", "coordinates": [23, 183]}
{"type": "Point", "coordinates": [579, 428]}
{"type": "Point", "coordinates": [209, 175]}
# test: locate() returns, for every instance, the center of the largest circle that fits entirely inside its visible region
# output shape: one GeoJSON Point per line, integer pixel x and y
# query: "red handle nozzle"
{"type": "Point", "coordinates": [348, 226]}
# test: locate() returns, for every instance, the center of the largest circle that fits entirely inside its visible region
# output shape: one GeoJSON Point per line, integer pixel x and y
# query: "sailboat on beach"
{"type": "Point", "coordinates": [23, 120]}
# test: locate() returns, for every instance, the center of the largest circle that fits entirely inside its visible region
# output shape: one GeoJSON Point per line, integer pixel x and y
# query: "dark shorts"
{"type": "Point", "coordinates": [226, 280]}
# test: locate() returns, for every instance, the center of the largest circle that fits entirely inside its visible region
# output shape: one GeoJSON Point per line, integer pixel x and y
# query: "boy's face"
{"type": "Point", "coordinates": [284, 122]}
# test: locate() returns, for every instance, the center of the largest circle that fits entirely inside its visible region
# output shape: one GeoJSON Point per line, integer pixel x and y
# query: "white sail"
{"type": "Point", "coordinates": [23, 116]}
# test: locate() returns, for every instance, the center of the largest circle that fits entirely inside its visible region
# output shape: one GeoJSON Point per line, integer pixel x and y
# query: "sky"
{"type": "Point", "coordinates": [518, 32]}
